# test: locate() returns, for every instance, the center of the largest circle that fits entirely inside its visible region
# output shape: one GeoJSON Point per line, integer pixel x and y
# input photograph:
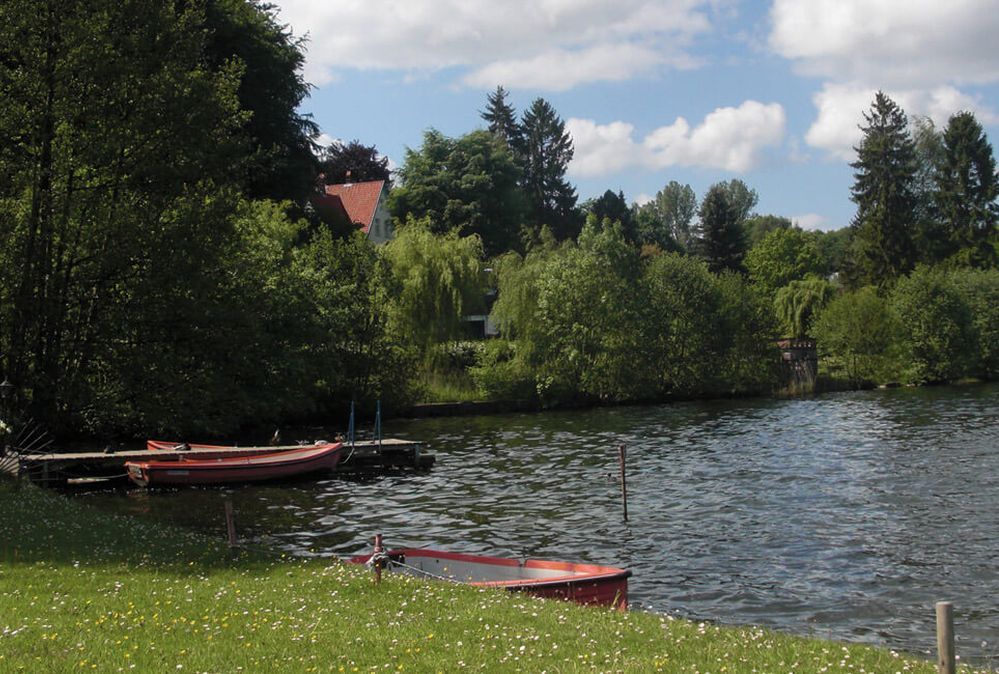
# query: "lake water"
{"type": "Point", "coordinates": [844, 516]}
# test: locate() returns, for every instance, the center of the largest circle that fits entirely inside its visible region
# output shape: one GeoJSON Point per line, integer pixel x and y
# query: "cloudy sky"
{"type": "Point", "coordinates": [657, 90]}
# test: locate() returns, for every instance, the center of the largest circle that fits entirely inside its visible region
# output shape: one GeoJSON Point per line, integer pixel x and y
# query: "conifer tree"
{"type": "Point", "coordinates": [547, 153]}
{"type": "Point", "coordinates": [883, 190]}
{"type": "Point", "coordinates": [967, 188]}
{"type": "Point", "coordinates": [502, 119]}
{"type": "Point", "coordinates": [720, 239]}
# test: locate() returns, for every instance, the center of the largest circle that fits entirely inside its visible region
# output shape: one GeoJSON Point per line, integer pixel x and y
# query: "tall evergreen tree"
{"type": "Point", "coordinates": [931, 238]}
{"type": "Point", "coordinates": [720, 239]}
{"type": "Point", "coordinates": [547, 153]}
{"type": "Point", "coordinates": [884, 193]}
{"type": "Point", "coordinates": [613, 207]}
{"type": "Point", "coordinates": [502, 119]}
{"type": "Point", "coordinates": [967, 188]}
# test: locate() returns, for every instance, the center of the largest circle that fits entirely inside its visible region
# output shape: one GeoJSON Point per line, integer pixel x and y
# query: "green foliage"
{"type": "Point", "coordinates": [352, 353]}
{"type": "Point", "coordinates": [741, 198]}
{"type": "Point", "coordinates": [932, 240]}
{"type": "Point", "coordinates": [720, 238]}
{"type": "Point", "coordinates": [434, 280]}
{"type": "Point", "coordinates": [118, 187]}
{"type": "Point", "coordinates": [855, 335]}
{"type": "Point", "coordinates": [547, 151]}
{"type": "Point", "coordinates": [980, 290]}
{"type": "Point", "coordinates": [967, 189]}
{"type": "Point", "coordinates": [885, 170]}
{"type": "Point", "coordinates": [585, 343]}
{"type": "Point", "coordinates": [681, 325]}
{"type": "Point", "coordinates": [271, 88]}
{"type": "Point", "coordinates": [503, 372]}
{"type": "Point", "coordinates": [833, 248]}
{"type": "Point", "coordinates": [665, 221]}
{"type": "Point", "coordinates": [613, 207]}
{"type": "Point", "coordinates": [935, 321]}
{"type": "Point", "coordinates": [758, 226]}
{"type": "Point", "coordinates": [782, 256]}
{"type": "Point", "coordinates": [354, 162]}
{"type": "Point", "coordinates": [799, 302]}
{"type": "Point", "coordinates": [468, 184]}
{"type": "Point", "coordinates": [502, 120]}
{"type": "Point", "coordinates": [748, 358]}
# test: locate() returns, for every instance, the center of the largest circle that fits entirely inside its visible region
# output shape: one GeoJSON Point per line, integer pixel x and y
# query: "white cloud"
{"type": "Point", "coordinates": [917, 51]}
{"type": "Point", "coordinates": [890, 43]}
{"type": "Point", "coordinates": [524, 43]}
{"type": "Point", "coordinates": [841, 108]}
{"type": "Point", "coordinates": [643, 199]}
{"type": "Point", "coordinates": [732, 139]}
{"type": "Point", "coordinates": [811, 221]}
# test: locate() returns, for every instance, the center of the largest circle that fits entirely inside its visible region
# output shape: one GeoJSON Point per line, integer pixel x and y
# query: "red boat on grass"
{"type": "Point", "coordinates": [273, 465]}
{"type": "Point", "coordinates": [581, 583]}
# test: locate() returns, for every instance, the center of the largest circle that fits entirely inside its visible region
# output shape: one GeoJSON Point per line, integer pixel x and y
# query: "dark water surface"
{"type": "Point", "coordinates": [844, 516]}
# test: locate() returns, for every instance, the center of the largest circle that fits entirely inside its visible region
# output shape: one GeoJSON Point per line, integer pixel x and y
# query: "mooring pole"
{"type": "Point", "coordinates": [624, 482]}
{"type": "Point", "coordinates": [378, 423]}
{"type": "Point", "coordinates": [350, 425]}
{"type": "Point", "coordinates": [946, 657]}
{"type": "Point", "coordinates": [376, 557]}
{"type": "Point", "coordinates": [230, 526]}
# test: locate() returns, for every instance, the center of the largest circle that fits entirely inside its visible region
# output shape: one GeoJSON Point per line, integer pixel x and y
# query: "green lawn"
{"type": "Point", "coordinates": [82, 590]}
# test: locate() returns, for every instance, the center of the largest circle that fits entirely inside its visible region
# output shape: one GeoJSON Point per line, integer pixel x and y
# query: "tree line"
{"type": "Point", "coordinates": [163, 271]}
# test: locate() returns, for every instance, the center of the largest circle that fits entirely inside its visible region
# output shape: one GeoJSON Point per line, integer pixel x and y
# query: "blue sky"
{"type": "Point", "coordinates": [657, 90]}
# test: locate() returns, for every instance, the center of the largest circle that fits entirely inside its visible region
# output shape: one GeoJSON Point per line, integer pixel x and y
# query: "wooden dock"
{"type": "Point", "coordinates": [61, 468]}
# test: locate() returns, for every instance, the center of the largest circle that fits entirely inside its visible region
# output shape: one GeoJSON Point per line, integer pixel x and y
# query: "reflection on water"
{"type": "Point", "coordinates": [845, 516]}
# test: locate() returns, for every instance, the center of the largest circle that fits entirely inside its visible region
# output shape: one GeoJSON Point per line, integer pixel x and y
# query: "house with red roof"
{"type": "Point", "coordinates": [359, 205]}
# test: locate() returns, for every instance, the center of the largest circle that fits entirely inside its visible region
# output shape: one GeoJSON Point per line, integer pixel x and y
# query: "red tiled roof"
{"type": "Point", "coordinates": [358, 200]}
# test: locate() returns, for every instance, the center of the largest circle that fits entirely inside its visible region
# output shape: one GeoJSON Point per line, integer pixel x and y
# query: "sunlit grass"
{"type": "Point", "coordinates": [81, 590]}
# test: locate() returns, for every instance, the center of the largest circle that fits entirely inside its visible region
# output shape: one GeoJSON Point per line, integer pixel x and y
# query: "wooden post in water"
{"type": "Point", "coordinates": [376, 557]}
{"type": "Point", "coordinates": [624, 482]}
{"type": "Point", "coordinates": [946, 658]}
{"type": "Point", "coordinates": [230, 526]}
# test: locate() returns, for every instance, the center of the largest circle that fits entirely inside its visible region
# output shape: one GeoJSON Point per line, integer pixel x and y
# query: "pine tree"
{"type": "Point", "coordinates": [547, 153]}
{"type": "Point", "coordinates": [502, 119]}
{"type": "Point", "coordinates": [967, 188]}
{"type": "Point", "coordinates": [720, 239]}
{"type": "Point", "coordinates": [883, 190]}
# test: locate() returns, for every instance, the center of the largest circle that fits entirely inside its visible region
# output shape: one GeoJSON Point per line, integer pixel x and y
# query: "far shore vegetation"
{"type": "Point", "coordinates": [85, 591]}
{"type": "Point", "coordinates": [166, 272]}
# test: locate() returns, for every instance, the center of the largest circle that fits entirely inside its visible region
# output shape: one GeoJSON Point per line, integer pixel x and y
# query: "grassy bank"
{"type": "Point", "coordinates": [82, 590]}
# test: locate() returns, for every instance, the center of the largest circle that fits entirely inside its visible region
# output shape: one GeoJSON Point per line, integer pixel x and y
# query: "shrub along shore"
{"type": "Point", "coordinates": [82, 590]}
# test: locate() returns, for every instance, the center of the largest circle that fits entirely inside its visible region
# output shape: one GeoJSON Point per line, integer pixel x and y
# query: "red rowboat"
{"type": "Point", "coordinates": [581, 583]}
{"type": "Point", "coordinates": [281, 464]}
{"type": "Point", "coordinates": [167, 445]}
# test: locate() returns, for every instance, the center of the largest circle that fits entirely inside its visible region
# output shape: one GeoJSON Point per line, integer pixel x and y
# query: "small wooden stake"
{"type": "Point", "coordinates": [624, 482]}
{"type": "Point", "coordinates": [376, 556]}
{"type": "Point", "coordinates": [230, 526]}
{"type": "Point", "coordinates": [946, 659]}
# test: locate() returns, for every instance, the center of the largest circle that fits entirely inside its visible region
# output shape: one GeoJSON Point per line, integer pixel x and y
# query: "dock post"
{"type": "Point", "coordinates": [350, 425]}
{"type": "Point", "coordinates": [230, 526]}
{"type": "Point", "coordinates": [946, 657]}
{"type": "Point", "coordinates": [624, 482]}
{"type": "Point", "coordinates": [378, 423]}
{"type": "Point", "coordinates": [376, 558]}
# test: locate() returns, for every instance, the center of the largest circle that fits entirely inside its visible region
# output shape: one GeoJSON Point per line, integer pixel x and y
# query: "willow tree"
{"type": "Point", "coordinates": [434, 280]}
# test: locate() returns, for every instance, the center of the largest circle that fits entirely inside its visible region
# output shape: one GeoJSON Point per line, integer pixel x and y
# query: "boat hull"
{"type": "Point", "coordinates": [272, 466]}
{"type": "Point", "coordinates": [588, 584]}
